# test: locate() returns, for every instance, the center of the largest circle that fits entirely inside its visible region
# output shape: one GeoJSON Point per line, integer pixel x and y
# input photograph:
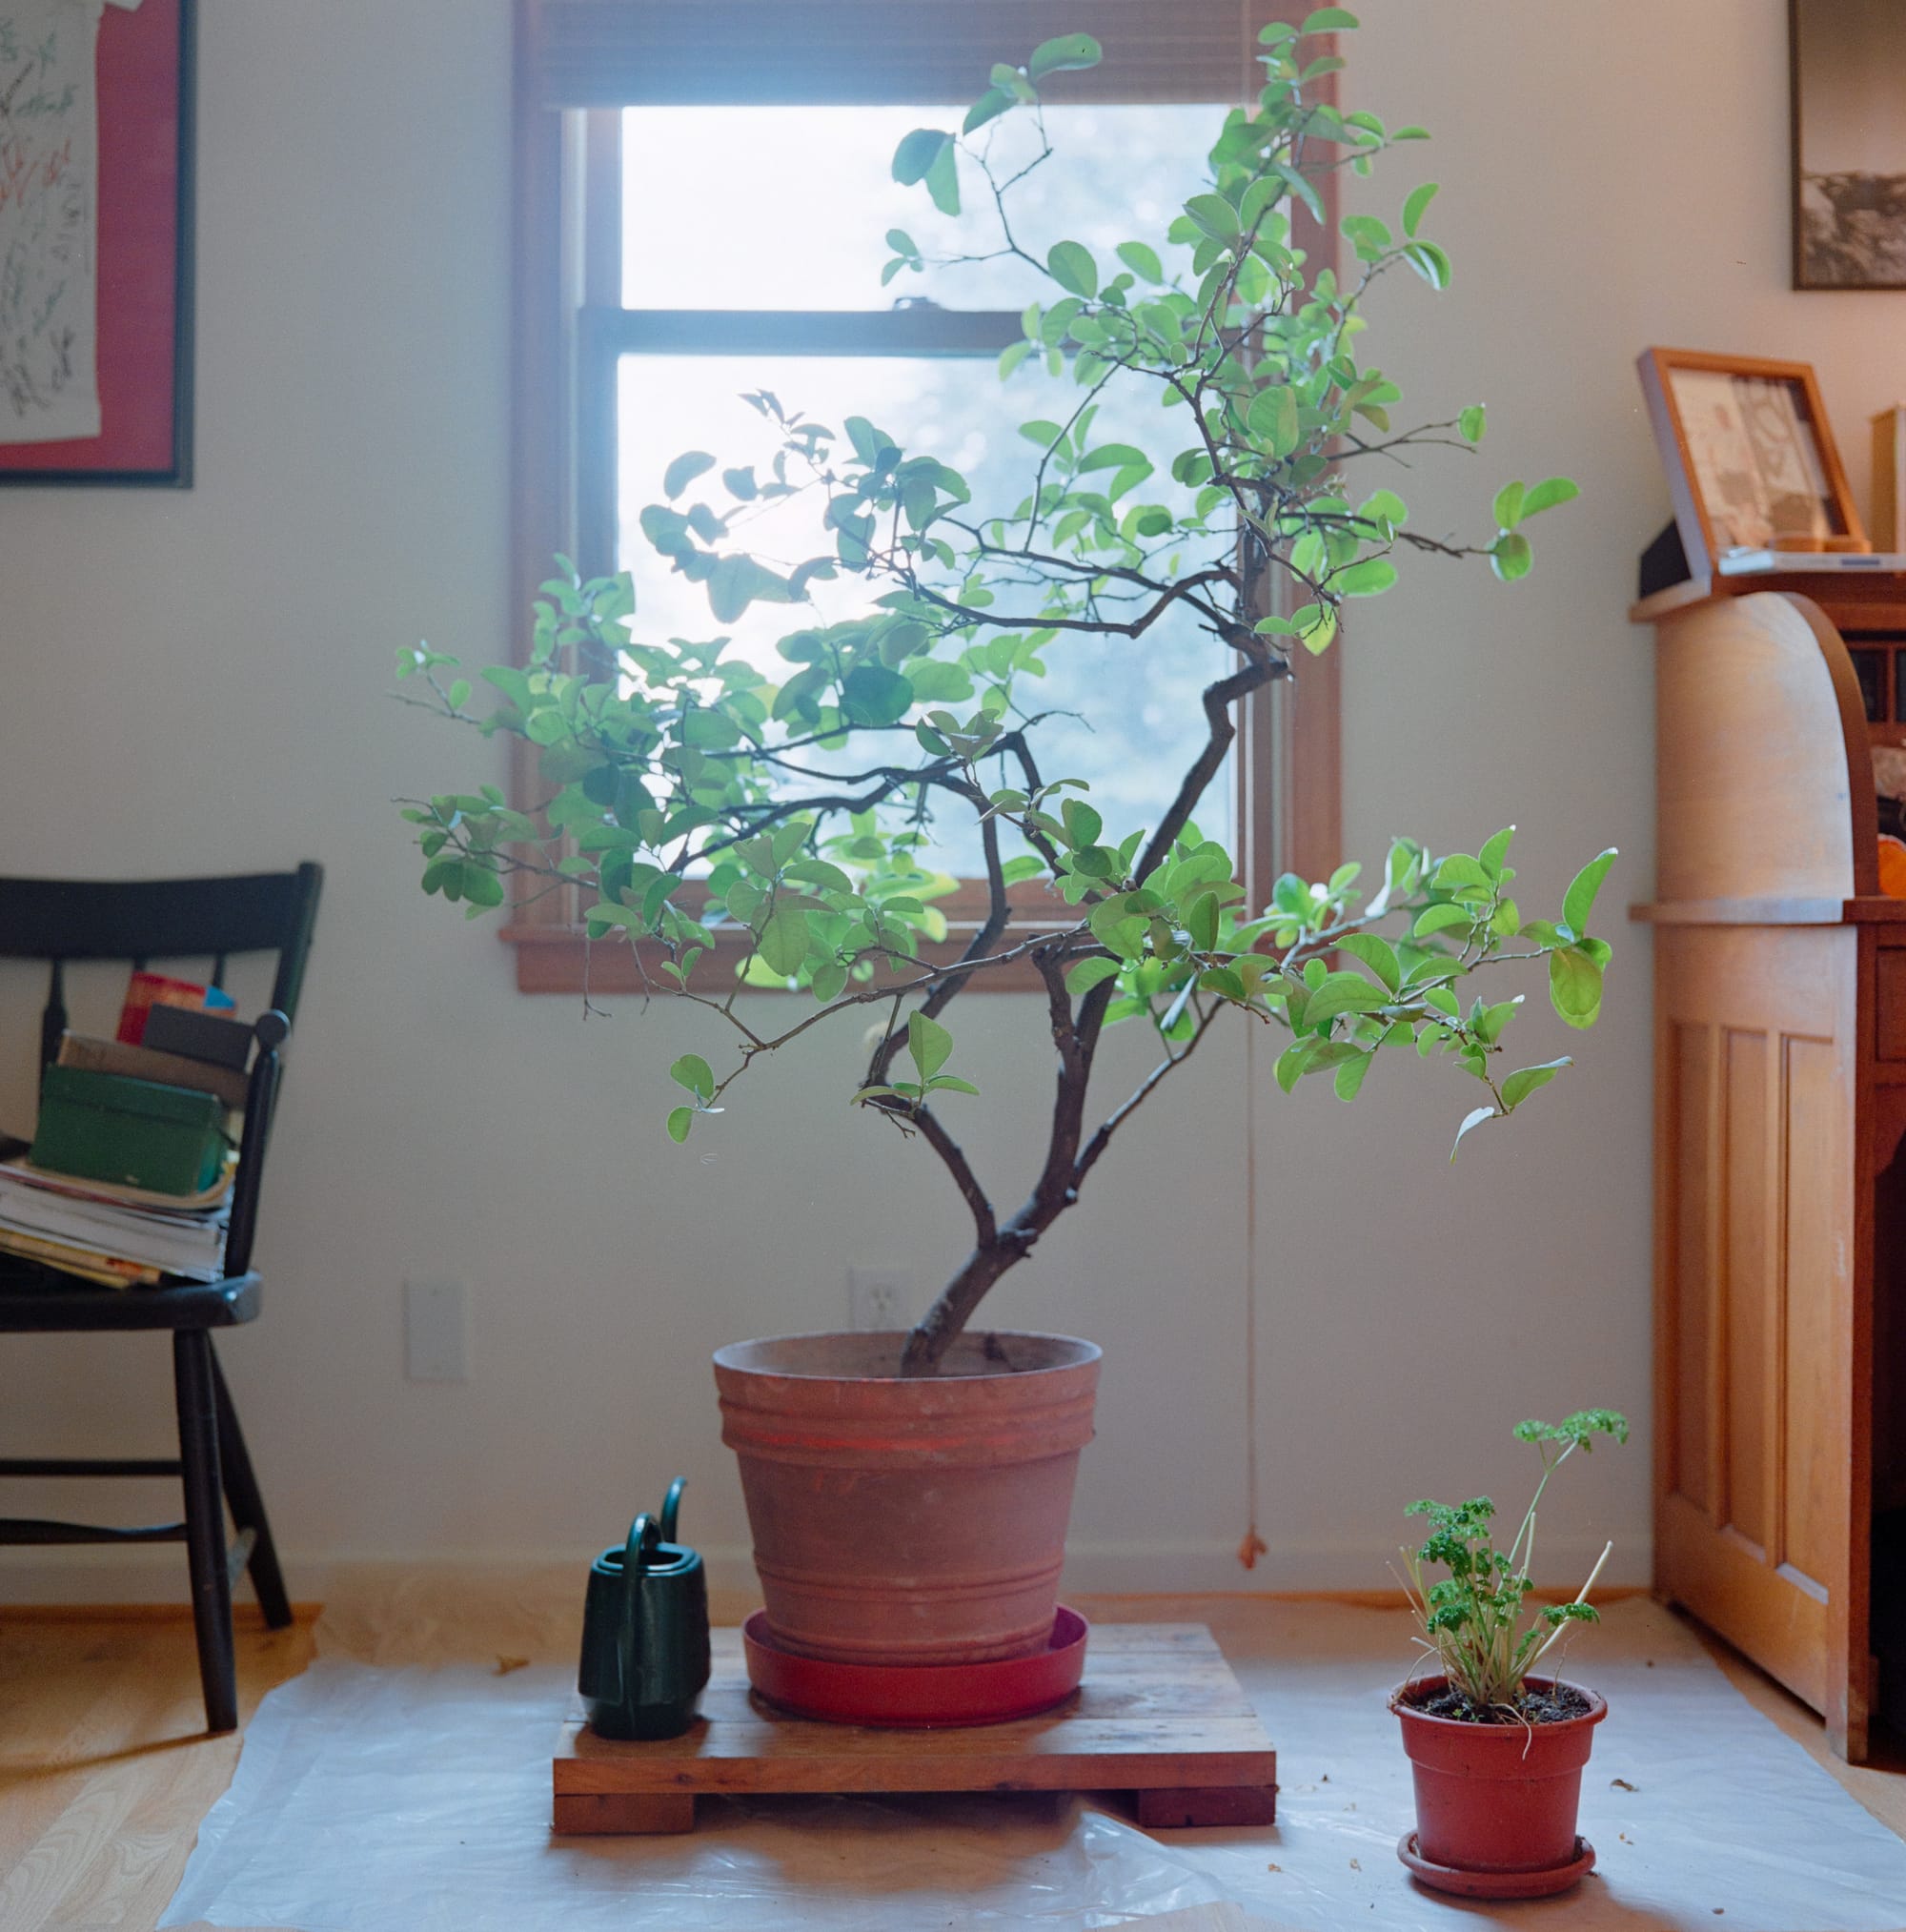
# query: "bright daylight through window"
{"type": "Point", "coordinates": [796, 265]}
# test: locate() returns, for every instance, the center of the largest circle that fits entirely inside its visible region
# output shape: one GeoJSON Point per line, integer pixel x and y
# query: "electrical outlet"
{"type": "Point", "coordinates": [876, 1296]}
{"type": "Point", "coordinates": [435, 1343]}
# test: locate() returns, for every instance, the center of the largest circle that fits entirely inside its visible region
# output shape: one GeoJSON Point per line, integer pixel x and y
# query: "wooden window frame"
{"type": "Point", "coordinates": [581, 62]}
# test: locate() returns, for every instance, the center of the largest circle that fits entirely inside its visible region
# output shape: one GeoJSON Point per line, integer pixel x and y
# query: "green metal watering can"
{"type": "Point", "coordinates": [645, 1631]}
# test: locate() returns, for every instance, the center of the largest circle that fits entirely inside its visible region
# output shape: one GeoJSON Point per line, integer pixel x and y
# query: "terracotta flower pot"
{"type": "Point", "coordinates": [908, 1521]}
{"type": "Point", "coordinates": [1496, 1798]}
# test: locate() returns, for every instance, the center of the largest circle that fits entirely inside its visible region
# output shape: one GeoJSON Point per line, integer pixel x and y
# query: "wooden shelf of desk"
{"type": "Point", "coordinates": [1781, 1105]}
{"type": "Point", "coordinates": [1159, 1715]}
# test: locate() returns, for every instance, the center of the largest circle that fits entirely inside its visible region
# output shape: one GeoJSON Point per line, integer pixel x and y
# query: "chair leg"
{"type": "Point", "coordinates": [205, 1526]}
{"type": "Point", "coordinates": [248, 1505]}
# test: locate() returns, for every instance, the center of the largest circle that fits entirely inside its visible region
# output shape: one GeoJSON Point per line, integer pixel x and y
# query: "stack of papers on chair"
{"type": "Point", "coordinates": [111, 1234]}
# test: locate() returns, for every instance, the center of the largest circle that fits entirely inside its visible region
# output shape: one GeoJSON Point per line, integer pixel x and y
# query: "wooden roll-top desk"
{"type": "Point", "coordinates": [1779, 1111]}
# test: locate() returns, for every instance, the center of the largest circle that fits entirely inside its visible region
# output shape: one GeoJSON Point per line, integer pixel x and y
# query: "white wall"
{"type": "Point", "coordinates": [195, 681]}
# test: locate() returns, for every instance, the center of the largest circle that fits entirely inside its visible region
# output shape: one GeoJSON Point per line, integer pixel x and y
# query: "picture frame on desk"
{"type": "Point", "coordinates": [1847, 66]}
{"type": "Point", "coordinates": [1750, 455]}
{"type": "Point", "coordinates": [96, 353]}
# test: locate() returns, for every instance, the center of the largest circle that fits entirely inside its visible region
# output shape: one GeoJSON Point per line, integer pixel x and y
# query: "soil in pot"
{"type": "Point", "coordinates": [1498, 1792]}
{"type": "Point", "coordinates": [909, 1522]}
{"type": "Point", "coordinates": [1546, 1706]}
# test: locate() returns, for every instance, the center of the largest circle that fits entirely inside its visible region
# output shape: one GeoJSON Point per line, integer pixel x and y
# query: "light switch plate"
{"type": "Point", "coordinates": [436, 1336]}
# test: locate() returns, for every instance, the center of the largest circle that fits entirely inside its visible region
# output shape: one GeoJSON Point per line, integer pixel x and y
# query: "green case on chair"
{"type": "Point", "coordinates": [105, 1127]}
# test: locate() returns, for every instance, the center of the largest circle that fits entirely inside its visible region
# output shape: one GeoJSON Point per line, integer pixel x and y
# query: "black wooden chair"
{"type": "Point", "coordinates": [171, 919]}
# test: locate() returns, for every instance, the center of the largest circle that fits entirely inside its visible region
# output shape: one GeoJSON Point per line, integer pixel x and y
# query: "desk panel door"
{"type": "Point", "coordinates": [1762, 1303]}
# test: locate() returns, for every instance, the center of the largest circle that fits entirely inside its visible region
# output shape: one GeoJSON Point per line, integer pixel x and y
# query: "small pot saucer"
{"type": "Point", "coordinates": [918, 1695]}
{"type": "Point", "coordinates": [1542, 1885]}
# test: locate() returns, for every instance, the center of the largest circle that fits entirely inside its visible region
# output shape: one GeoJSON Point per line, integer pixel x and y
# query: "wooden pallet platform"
{"type": "Point", "coordinates": [1159, 1715]}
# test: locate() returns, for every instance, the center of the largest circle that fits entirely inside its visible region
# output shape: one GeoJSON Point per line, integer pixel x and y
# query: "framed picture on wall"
{"type": "Point", "coordinates": [1750, 455]}
{"type": "Point", "coordinates": [1848, 60]}
{"type": "Point", "coordinates": [96, 242]}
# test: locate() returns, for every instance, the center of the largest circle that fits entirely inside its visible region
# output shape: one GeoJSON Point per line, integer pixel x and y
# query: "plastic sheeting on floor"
{"type": "Point", "coordinates": [380, 1800]}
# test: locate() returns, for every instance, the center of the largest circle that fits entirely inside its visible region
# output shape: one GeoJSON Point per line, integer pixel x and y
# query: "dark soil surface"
{"type": "Point", "coordinates": [1536, 1707]}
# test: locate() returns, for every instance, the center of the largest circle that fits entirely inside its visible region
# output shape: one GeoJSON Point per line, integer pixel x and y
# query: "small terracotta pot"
{"type": "Point", "coordinates": [1496, 1798]}
{"type": "Point", "coordinates": [916, 1521]}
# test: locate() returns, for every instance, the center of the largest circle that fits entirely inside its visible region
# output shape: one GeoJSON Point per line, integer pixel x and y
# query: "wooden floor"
{"type": "Point", "coordinates": [105, 1770]}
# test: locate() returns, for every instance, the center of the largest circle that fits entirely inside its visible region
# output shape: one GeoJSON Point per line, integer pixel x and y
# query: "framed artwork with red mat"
{"type": "Point", "coordinates": [95, 241]}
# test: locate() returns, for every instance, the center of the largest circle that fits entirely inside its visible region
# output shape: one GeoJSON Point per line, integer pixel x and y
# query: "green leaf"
{"type": "Point", "coordinates": [937, 682]}
{"type": "Point", "coordinates": [991, 104]}
{"type": "Point", "coordinates": [680, 1120]}
{"type": "Point", "coordinates": [784, 941]}
{"type": "Point", "coordinates": [1073, 268]}
{"type": "Point", "coordinates": [927, 1044]}
{"type": "Point", "coordinates": [1474, 1118]}
{"type": "Point", "coordinates": [1343, 993]}
{"type": "Point", "coordinates": [1525, 1080]}
{"type": "Point", "coordinates": [1579, 900]}
{"type": "Point", "coordinates": [1575, 986]}
{"type": "Point", "coordinates": [1115, 457]}
{"type": "Point", "coordinates": [1473, 422]}
{"type": "Point", "coordinates": [1547, 494]}
{"type": "Point", "coordinates": [1328, 20]}
{"type": "Point", "coordinates": [1273, 419]}
{"type": "Point", "coordinates": [737, 581]}
{"type": "Point", "coordinates": [1082, 824]}
{"type": "Point", "coordinates": [1412, 209]}
{"type": "Point", "coordinates": [945, 1083]}
{"type": "Point", "coordinates": [1371, 576]}
{"type": "Point", "coordinates": [1459, 869]}
{"type": "Point", "coordinates": [1141, 260]}
{"type": "Point", "coordinates": [1510, 557]}
{"type": "Point", "coordinates": [1349, 1076]}
{"type": "Point", "coordinates": [829, 982]}
{"type": "Point", "coordinates": [1508, 505]}
{"type": "Point", "coordinates": [917, 153]}
{"type": "Point", "coordinates": [1200, 922]}
{"type": "Point", "coordinates": [684, 471]}
{"type": "Point", "coordinates": [1215, 216]}
{"type": "Point", "coordinates": [874, 695]}
{"type": "Point", "coordinates": [1429, 261]}
{"type": "Point", "coordinates": [1089, 973]}
{"type": "Point", "coordinates": [1377, 953]}
{"type": "Point", "coordinates": [1068, 53]}
{"type": "Point", "coordinates": [1495, 852]}
{"type": "Point", "coordinates": [1316, 623]}
{"type": "Point", "coordinates": [1294, 1058]}
{"type": "Point", "coordinates": [1442, 918]}
{"type": "Point", "coordinates": [694, 1072]}
{"type": "Point", "coordinates": [942, 180]}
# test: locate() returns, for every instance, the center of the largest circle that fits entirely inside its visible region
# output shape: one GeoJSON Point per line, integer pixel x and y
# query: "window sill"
{"type": "Point", "coordinates": [559, 959]}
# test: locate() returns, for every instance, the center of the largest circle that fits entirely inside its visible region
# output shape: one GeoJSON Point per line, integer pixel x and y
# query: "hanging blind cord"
{"type": "Point", "coordinates": [1253, 1545]}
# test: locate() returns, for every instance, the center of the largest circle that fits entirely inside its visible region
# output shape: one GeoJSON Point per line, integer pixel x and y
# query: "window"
{"type": "Point", "coordinates": [639, 338]}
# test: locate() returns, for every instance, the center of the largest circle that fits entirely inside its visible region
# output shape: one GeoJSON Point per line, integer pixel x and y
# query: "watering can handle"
{"type": "Point", "coordinates": [636, 1554]}
{"type": "Point", "coordinates": [672, 1508]}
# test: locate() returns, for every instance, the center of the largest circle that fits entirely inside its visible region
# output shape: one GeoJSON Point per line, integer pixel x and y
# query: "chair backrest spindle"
{"type": "Point", "coordinates": [53, 1020]}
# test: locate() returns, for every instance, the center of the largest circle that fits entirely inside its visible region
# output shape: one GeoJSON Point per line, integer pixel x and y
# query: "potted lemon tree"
{"type": "Point", "coordinates": [909, 1492]}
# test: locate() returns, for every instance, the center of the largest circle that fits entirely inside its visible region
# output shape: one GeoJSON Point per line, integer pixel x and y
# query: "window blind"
{"type": "Point", "coordinates": [605, 54]}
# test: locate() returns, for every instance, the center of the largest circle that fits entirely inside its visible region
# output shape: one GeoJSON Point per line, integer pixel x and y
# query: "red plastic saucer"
{"type": "Point", "coordinates": [917, 1696]}
{"type": "Point", "coordinates": [1540, 1884]}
